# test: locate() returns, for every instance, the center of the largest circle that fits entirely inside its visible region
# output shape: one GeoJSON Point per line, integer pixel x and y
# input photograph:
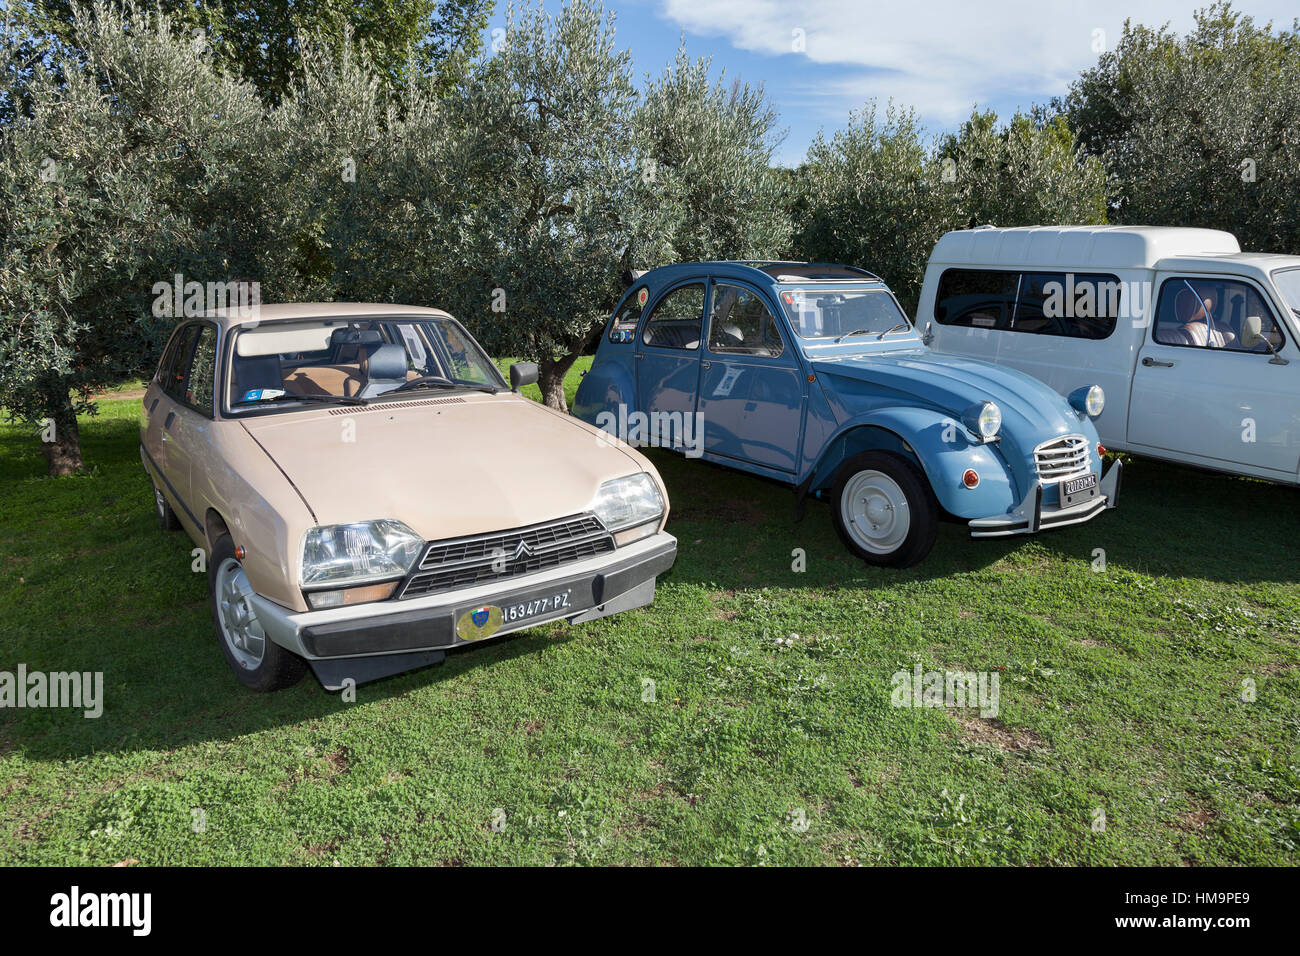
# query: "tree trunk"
{"type": "Point", "coordinates": [61, 442]}
{"type": "Point", "coordinates": [550, 379]}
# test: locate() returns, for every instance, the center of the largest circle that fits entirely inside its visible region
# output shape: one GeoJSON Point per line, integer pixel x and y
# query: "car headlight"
{"type": "Point", "coordinates": [1089, 400]}
{"type": "Point", "coordinates": [626, 503]}
{"type": "Point", "coordinates": [983, 419]}
{"type": "Point", "coordinates": [340, 554]}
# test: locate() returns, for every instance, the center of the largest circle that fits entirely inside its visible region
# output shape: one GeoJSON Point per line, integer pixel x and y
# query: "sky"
{"type": "Point", "coordinates": [819, 60]}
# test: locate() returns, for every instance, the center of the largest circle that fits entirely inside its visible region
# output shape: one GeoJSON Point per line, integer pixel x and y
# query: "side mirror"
{"type": "Point", "coordinates": [1251, 336]}
{"type": "Point", "coordinates": [521, 374]}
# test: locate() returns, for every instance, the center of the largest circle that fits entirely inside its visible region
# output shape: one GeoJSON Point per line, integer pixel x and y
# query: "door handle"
{"type": "Point", "coordinates": [706, 365]}
{"type": "Point", "coordinates": [640, 356]}
{"type": "Point", "coordinates": [1149, 362]}
{"type": "Point", "coordinates": [171, 417]}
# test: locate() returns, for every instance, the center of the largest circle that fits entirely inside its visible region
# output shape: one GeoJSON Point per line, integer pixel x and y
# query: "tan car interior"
{"type": "Point", "coordinates": [359, 363]}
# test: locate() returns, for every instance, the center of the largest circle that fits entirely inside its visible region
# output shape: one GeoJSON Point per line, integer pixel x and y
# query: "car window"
{"type": "Point", "coordinates": [981, 299]}
{"type": "Point", "coordinates": [740, 323]}
{"type": "Point", "coordinates": [203, 367]}
{"type": "Point", "coordinates": [820, 313]}
{"type": "Point", "coordinates": [676, 319]}
{"type": "Point", "coordinates": [1078, 305]}
{"type": "Point", "coordinates": [1210, 313]}
{"type": "Point", "coordinates": [626, 319]}
{"type": "Point", "coordinates": [173, 377]}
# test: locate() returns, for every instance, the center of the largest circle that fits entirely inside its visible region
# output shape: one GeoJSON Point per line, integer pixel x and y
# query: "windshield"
{"type": "Point", "coordinates": [352, 360]}
{"type": "Point", "coordinates": [1288, 283]}
{"type": "Point", "coordinates": [820, 313]}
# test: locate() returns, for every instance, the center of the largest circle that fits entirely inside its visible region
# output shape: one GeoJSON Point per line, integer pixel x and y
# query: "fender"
{"type": "Point", "coordinates": [919, 435]}
{"type": "Point", "coordinates": [610, 382]}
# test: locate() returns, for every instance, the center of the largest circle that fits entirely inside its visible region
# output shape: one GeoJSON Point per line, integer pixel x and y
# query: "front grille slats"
{"type": "Point", "coordinates": [463, 562]}
{"type": "Point", "coordinates": [1061, 458]}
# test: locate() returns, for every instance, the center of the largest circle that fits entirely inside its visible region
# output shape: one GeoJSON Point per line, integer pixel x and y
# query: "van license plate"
{"type": "Point", "coordinates": [1078, 489]}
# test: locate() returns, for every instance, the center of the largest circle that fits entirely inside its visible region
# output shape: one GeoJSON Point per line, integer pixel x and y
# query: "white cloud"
{"type": "Point", "coordinates": [939, 57]}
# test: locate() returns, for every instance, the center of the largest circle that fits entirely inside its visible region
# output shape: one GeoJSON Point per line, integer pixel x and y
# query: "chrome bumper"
{"type": "Point", "coordinates": [368, 641]}
{"type": "Point", "coordinates": [1030, 518]}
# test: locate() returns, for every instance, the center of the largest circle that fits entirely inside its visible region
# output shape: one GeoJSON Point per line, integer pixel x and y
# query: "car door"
{"type": "Point", "coordinates": [190, 434]}
{"type": "Point", "coordinates": [163, 411]}
{"type": "Point", "coordinates": [1200, 396]}
{"type": "Point", "coordinates": [751, 386]}
{"type": "Point", "coordinates": [668, 358]}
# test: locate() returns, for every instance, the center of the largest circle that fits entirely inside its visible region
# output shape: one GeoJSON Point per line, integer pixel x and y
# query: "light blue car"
{"type": "Point", "coordinates": [812, 375]}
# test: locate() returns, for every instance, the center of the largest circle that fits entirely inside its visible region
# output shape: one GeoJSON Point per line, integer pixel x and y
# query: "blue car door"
{"type": "Point", "coordinates": [668, 360]}
{"type": "Point", "coordinates": [751, 384]}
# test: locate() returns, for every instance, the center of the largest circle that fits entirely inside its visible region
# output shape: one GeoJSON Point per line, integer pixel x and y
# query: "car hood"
{"type": "Point", "coordinates": [950, 384]}
{"type": "Point", "coordinates": [447, 466]}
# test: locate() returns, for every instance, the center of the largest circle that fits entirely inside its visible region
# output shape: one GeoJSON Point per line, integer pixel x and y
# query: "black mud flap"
{"type": "Point", "coordinates": [338, 673]}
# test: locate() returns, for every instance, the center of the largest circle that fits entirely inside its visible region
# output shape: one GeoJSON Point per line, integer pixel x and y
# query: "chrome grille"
{"type": "Point", "coordinates": [1061, 458]}
{"type": "Point", "coordinates": [463, 562]}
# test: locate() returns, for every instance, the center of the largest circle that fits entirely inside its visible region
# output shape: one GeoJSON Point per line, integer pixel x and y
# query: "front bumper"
{"type": "Point", "coordinates": [1030, 517]}
{"type": "Point", "coordinates": [368, 641]}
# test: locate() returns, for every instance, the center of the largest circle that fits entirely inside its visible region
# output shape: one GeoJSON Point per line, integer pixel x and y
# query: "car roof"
{"type": "Point", "coordinates": [768, 271]}
{"type": "Point", "coordinates": [1108, 247]}
{"type": "Point", "coordinates": [233, 316]}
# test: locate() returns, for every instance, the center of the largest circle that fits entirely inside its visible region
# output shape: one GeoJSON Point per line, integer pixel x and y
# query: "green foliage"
{"type": "Point", "coordinates": [262, 40]}
{"type": "Point", "coordinates": [1183, 122]}
{"type": "Point", "coordinates": [875, 195]}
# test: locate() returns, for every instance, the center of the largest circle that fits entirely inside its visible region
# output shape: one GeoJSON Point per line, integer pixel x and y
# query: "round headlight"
{"type": "Point", "coordinates": [1089, 400]}
{"type": "Point", "coordinates": [984, 419]}
{"type": "Point", "coordinates": [1095, 401]}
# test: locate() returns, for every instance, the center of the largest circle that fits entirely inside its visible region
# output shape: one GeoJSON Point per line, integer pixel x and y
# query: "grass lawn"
{"type": "Point", "coordinates": [771, 738]}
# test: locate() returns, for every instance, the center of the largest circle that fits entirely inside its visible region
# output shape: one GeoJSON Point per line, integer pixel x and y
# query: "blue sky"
{"type": "Point", "coordinates": [820, 59]}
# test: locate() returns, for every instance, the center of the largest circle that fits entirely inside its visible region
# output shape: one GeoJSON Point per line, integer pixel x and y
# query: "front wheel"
{"type": "Point", "coordinates": [885, 512]}
{"type": "Point", "coordinates": [257, 661]}
{"type": "Point", "coordinates": [166, 516]}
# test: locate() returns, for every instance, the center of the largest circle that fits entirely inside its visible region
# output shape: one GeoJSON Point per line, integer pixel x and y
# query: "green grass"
{"type": "Point", "coordinates": [1120, 690]}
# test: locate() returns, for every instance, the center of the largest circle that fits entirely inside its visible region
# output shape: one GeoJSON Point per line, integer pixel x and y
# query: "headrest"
{"type": "Point", "coordinates": [1187, 306]}
{"type": "Point", "coordinates": [388, 362]}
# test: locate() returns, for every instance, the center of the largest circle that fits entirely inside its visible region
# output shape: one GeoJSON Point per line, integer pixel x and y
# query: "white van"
{"type": "Point", "coordinates": [1194, 342]}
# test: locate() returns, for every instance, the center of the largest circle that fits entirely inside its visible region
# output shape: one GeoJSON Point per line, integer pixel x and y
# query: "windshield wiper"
{"type": "Point", "coordinates": [854, 332]}
{"type": "Point", "coordinates": [289, 397]}
{"type": "Point", "coordinates": [437, 381]}
{"type": "Point", "coordinates": [901, 327]}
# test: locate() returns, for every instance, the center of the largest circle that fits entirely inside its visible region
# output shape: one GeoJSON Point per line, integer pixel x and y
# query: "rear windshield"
{"type": "Point", "coordinates": [822, 313]}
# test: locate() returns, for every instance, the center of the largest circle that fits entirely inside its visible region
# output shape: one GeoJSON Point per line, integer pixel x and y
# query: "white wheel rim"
{"type": "Point", "coordinates": [875, 512]}
{"type": "Point", "coordinates": [240, 628]}
{"type": "Point", "coordinates": [160, 502]}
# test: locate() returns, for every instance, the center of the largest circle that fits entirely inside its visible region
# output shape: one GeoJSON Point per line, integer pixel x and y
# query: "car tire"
{"type": "Point", "coordinates": [258, 662]}
{"type": "Point", "coordinates": [885, 511]}
{"type": "Point", "coordinates": [166, 516]}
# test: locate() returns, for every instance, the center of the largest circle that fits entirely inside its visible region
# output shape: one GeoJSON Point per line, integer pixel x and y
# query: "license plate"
{"type": "Point", "coordinates": [479, 622]}
{"type": "Point", "coordinates": [1078, 489]}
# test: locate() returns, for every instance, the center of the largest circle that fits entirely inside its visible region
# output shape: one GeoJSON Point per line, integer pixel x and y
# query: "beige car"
{"type": "Point", "coordinates": [370, 492]}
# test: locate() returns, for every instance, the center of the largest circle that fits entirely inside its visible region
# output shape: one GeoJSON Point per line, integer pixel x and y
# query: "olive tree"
{"type": "Point", "coordinates": [1202, 129]}
{"type": "Point", "coordinates": [877, 195]}
{"type": "Point", "coordinates": [126, 171]}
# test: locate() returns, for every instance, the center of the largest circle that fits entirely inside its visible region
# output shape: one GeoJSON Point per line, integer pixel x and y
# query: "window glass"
{"type": "Point", "coordinates": [173, 381]}
{"type": "Point", "coordinates": [1288, 283]}
{"type": "Point", "coordinates": [199, 385]}
{"type": "Point", "coordinates": [623, 327]}
{"type": "Point", "coordinates": [1212, 313]}
{"type": "Point", "coordinates": [740, 323]}
{"type": "Point", "coordinates": [818, 313]}
{"type": "Point", "coordinates": [976, 299]}
{"type": "Point", "coordinates": [676, 320]}
{"type": "Point", "coordinates": [1078, 305]}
